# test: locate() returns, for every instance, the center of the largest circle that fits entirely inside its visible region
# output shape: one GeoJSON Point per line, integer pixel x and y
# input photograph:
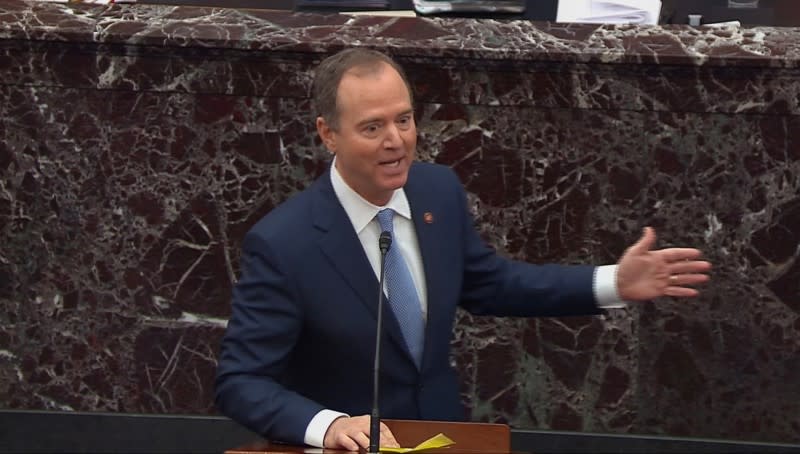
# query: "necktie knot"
{"type": "Point", "coordinates": [385, 218]}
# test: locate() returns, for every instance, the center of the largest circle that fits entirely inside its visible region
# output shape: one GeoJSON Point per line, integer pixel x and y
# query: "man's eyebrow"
{"type": "Point", "coordinates": [368, 120]}
{"type": "Point", "coordinates": [379, 119]}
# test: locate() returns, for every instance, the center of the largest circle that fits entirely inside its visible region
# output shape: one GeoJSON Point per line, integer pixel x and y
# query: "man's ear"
{"type": "Point", "coordinates": [326, 134]}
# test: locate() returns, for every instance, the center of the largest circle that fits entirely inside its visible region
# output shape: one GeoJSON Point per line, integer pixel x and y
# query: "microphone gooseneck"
{"type": "Point", "coordinates": [384, 243]}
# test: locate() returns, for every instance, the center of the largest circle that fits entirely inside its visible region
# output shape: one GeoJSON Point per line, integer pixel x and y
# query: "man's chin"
{"type": "Point", "coordinates": [396, 181]}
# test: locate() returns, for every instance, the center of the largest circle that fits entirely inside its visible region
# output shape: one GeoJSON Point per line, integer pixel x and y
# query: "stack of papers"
{"type": "Point", "coordinates": [609, 11]}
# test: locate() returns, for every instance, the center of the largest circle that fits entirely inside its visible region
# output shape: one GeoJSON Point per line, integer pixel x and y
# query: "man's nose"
{"type": "Point", "coordinates": [392, 138]}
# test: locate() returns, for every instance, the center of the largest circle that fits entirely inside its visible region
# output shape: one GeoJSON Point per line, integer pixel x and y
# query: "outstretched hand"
{"type": "Point", "coordinates": [352, 433]}
{"type": "Point", "coordinates": [644, 274]}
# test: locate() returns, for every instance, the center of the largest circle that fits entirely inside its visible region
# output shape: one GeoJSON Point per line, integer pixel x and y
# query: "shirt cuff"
{"type": "Point", "coordinates": [604, 286]}
{"type": "Point", "coordinates": [315, 432]}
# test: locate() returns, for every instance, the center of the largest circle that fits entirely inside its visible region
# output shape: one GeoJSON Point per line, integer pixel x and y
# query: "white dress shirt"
{"type": "Point", "coordinates": [362, 215]}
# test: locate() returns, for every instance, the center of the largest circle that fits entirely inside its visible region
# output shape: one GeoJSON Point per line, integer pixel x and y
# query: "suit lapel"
{"type": "Point", "coordinates": [424, 207]}
{"type": "Point", "coordinates": [341, 246]}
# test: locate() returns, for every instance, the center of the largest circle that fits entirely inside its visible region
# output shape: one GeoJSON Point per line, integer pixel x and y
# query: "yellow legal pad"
{"type": "Point", "coordinates": [437, 441]}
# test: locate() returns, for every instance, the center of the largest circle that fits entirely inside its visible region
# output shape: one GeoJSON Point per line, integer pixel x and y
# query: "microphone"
{"type": "Point", "coordinates": [384, 243]}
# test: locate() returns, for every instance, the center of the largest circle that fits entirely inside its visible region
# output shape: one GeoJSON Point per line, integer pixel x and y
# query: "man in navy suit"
{"type": "Point", "coordinates": [296, 360]}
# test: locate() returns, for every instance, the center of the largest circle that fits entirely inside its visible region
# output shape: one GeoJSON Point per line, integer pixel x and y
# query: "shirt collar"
{"type": "Point", "coordinates": [358, 209]}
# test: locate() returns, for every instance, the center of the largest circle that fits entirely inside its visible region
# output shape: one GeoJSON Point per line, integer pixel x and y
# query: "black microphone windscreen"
{"type": "Point", "coordinates": [385, 241]}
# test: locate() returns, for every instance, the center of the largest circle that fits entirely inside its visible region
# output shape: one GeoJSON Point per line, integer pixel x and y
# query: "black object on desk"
{"type": "Point", "coordinates": [747, 16]}
{"type": "Point", "coordinates": [286, 5]}
{"type": "Point", "coordinates": [343, 5]}
{"type": "Point", "coordinates": [712, 11]}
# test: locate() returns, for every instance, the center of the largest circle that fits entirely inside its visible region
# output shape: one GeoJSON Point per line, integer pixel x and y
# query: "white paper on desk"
{"type": "Point", "coordinates": [609, 11]}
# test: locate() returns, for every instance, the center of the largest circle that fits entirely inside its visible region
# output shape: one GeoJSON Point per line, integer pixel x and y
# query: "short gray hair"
{"type": "Point", "coordinates": [329, 74]}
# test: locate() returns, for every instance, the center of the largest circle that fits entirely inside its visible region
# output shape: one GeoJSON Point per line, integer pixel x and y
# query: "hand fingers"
{"type": "Point", "coordinates": [353, 441]}
{"type": "Point", "coordinates": [680, 292]}
{"type": "Point", "coordinates": [347, 441]}
{"type": "Point", "coordinates": [362, 439]}
{"type": "Point", "coordinates": [387, 438]}
{"type": "Point", "coordinates": [689, 267]}
{"type": "Point", "coordinates": [645, 243]}
{"type": "Point", "coordinates": [348, 433]}
{"type": "Point", "coordinates": [679, 254]}
{"type": "Point", "coordinates": [682, 280]}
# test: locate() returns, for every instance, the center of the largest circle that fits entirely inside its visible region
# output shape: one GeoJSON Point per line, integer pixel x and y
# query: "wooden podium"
{"type": "Point", "coordinates": [470, 437]}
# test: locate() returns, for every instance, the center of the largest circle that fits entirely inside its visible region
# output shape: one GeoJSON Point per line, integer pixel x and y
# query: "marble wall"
{"type": "Point", "coordinates": [138, 144]}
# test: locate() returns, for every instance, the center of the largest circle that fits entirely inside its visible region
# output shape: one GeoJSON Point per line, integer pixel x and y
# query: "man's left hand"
{"type": "Point", "coordinates": [644, 274]}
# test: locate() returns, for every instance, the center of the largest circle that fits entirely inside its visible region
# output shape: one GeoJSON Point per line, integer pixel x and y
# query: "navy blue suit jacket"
{"type": "Point", "coordinates": [301, 334]}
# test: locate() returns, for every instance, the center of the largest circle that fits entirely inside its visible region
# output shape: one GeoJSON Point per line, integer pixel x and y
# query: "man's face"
{"type": "Point", "coordinates": [376, 140]}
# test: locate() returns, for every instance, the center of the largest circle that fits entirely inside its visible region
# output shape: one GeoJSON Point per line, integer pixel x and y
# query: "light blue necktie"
{"type": "Point", "coordinates": [402, 293]}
